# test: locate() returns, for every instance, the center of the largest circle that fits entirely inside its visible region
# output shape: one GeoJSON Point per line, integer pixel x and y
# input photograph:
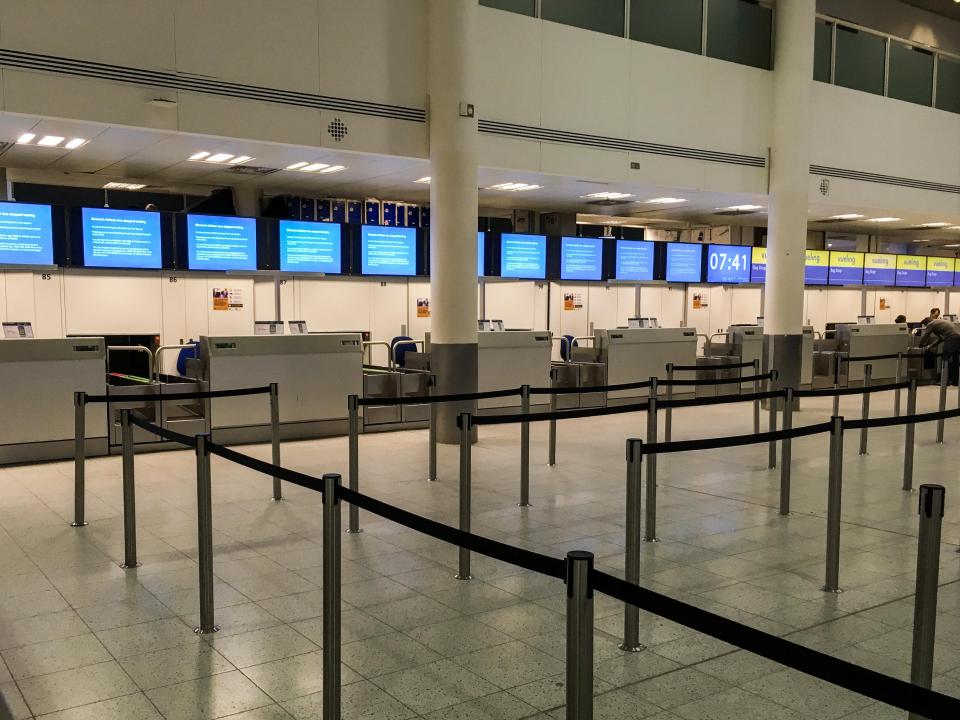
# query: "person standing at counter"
{"type": "Point", "coordinates": [943, 336]}
{"type": "Point", "coordinates": [900, 320]}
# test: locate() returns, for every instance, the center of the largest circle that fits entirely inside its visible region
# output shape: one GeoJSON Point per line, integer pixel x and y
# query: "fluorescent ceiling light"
{"type": "Point", "coordinates": [953, 245]}
{"type": "Point", "coordinates": [514, 187]}
{"type": "Point", "coordinates": [423, 180]}
{"type": "Point", "coordinates": [933, 225]}
{"type": "Point", "coordinates": [846, 216]}
{"type": "Point", "coordinates": [314, 167]}
{"type": "Point", "coordinates": [743, 208]}
{"type": "Point", "coordinates": [50, 140]}
{"type": "Point", "coordinates": [606, 196]}
{"type": "Point", "coordinates": [954, 227]}
{"type": "Point", "coordinates": [664, 200]}
{"type": "Point", "coordinates": [123, 186]}
{"type": "Point", "coordinates": [238, 159]}
{"type": "Point", "coordinates": [26, 138]}
{"type": "Point", "coordinates": [884, 219]}
{"type": "Point", "coordinates": [75, 143]}
{"type": "Point", "coordinates": [333, 169]}
{"type": "Point", "coordinates": [198, 156]}
{"type": "Point", "coordinates": [297, 165]}
{"type": "Point", "coordinates": [219, 158]}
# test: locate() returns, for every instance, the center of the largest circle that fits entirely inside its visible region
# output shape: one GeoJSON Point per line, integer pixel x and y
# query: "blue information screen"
{"type": "Point", "coordinates": [523, 256]}
{"type": "Point", "coordinates": [846, 268]}
{"type": "Point", "coordinates": [121, 239]}
{"type": "Point", "coordinates": [581, 258]}
{"type": "Point", "coordinates": [880, 270]}
{"type": "Point", "coordinates": [729, 264]}
{"type": "Point", "coordinates": [940, 271]}
{"type": "Point", "coordinates": [911, 271]}
{"type": "Point", "coordinates": [481, 241]}
{"type": "Point", "coordinates": [26, 234]}
{"type": "Point", "coordinates": [684, 262]}
{"type": "Point", "coordinates": [634, 260]}
{"type": "Point", "coordinates": [388, 251]}
{"type": "Point", "coordinates": [310, 247]}
{"type": "Point", "coordinates": [817, 268]}
{"type": "Point", "coordinates": [221, 243]}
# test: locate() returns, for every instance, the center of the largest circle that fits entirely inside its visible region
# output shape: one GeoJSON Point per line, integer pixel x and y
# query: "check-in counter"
{"type": "Point", "coordinates": [863, 340]}
{"type": "Point", "coordinates": [636, 354]}
{"type": "Point", "coordinates": [315, 374]}
{"type": "Point", "coordinates": [511, 359]}
{"type": "Point", "coordinates": [37, 381]}
{"type": "Point", "coordinates": [747, 342]}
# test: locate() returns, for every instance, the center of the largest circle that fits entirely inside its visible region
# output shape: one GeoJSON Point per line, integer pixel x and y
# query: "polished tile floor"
{"type": "Point", "coordinates": [82, 639]}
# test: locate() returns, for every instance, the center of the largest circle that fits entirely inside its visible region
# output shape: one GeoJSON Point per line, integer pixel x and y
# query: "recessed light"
{"type": "Point", "coordinates": [297, 165]}
{"type": "Point", "coordinates": [199, 156]}
{"type": "Point", "coordinates": [423, 180]}
{"type": "Point", "coordinates": [846, 216]}
{"type": "Point", "coordinates": [514, 187]}
{"type": "Point", "coordinates": [606, 196]}
{"type": "Point", "coordinates": [75, 143]}
{"type": "Point", "coordinates": [50, 140]}
{"type": "Point", "coordinates": [742, 208]}
{"type": "Point", "coordinates": [333, 169]}
{"type": "Point", "coordinates": [663, 200]}
{"type": "Point", "coordinates": [953, 245]}
{"type": "Point", "coordinates": [314, 167]}
{"type": "Point", "coordinates": [123, 186]}
{"type": "Point", "coordinates": [884, 219]}
{"type": "Point", "coordinates": [219, 158]}
{"type": "Point", "coordinates": [238, 159]}
{"type": "Point", "coordinates": [26, 139]}
{"type": "Point", "coordinates": [933, 225]}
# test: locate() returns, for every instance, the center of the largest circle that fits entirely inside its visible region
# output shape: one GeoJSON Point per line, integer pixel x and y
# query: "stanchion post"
{"type": "Point", "coordinates": [205, 537]}
{"type": "Point", "coordinates": [465, 422]}
{"type": "Point", "coordinates": [786, 452]}
{"type": "Point", "coordinates": [650, 526]}
{"type": "Point", "coordinates": [275, 437]}
{"type": "Point", "coordinates": [432, 459]}
{"type": "Point", "coordinates": [756, 403]}
{"type": "Point", "coordinates": [668, 415]}
{"type": "Point", "coordinates": [928, 578]}
{"type": "Point", "coordinates": [79, 457]}
{"type": "Point", "coordinates": [865, 406]}
{"type": "Point", "coordinates": [836, 386]}
{"type": "Point", "coordinates": [524, 448]}
{"type": "Point", "coordinates": [772, 423]}
{"type": "Point", "coordinates": [579, 636]}
{"type": "Point", "coordinates": [353, 450]}
{"type": "Point", "coordinates": [129, 494]}
{"type": "Point", "coordinates": [552, 441]}
{"type": "Point", "coordinates": [834, 496]}
{"type": "Point", "coordinates": [331, 598]}
{"type": "Point", "coordinates": [944, 379]}
{"type": "Point", "coordinates": [910, 433]}
{"type": "Point", "coordinates": [631, 613]}
{"type": "Point", "coordinates": [899, 379]}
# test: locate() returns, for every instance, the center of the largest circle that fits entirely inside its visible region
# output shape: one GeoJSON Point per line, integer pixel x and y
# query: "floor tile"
{"type": "Point", "coordinates": [80, 686]}
{"type": "Point", "coordinates": [434, 686]}
{"type": "Point", "coordinates": [260, 646]}
{"type": "Point", "coordinates": [174, 665]}
{"type": "Point", "coordinates": [294, 677]}
{"type": "Point", "coordinates": [385, 654]}
{"type": "Point", "coordinates": [55, 655]}
{"type": "Point", "coordinates": [128, 707]}
{"type": "Point", "coordinates": [216, 696]}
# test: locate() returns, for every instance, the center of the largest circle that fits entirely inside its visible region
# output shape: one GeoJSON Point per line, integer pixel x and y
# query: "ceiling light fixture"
{"type": "Point", "coordinates": [663, 200]}
{"type": "Point", "coordinates": [239, 159]}
{"type": "Point", "coordinates": [199, 156]}
{"type": "Point", "coordinates": [846, 216]}
{"type": "Point", "coordinates": [50, 140]}
{"type": "Point", "coordinates": [515, 187]}
{"type": "Point", "coordinates": [322, 168]}
{"type": "Point", "coordinates": [884, 219]}
{"type": "Point", "coordinates": [75, 143]}
{"type": "Point", "coordinates": [26, 139]}
{"type": "Point", "coordinates": [221, 158]}
{"type": "Point", "coordinates": [742, 208]}
{"type": "Point", "coordinates": [934, 225]}
{"type": "Point", "coordinates": [423, 180]}
{"type": "Point", "coordinates": [606, 196]}
{"type": "Point", "coordinates": [123, 186]}
{"type": "Point", "coordinates": [953, 227]}
{"type": "Point", "coordinates": [297, 165]}
{"type": "Point", "coordinates": [333, 169]}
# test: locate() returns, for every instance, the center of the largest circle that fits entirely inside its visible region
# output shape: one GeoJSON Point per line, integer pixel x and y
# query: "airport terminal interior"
{"type": "Point", "coordinates": [480, 359]}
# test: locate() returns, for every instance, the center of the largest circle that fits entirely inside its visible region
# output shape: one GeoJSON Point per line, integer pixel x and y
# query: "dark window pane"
{"type": "Point", "coordinates": [911, 74]}
{"type": "Point", "coordinates": [676, 24]}
{"type": "Point", "coordinates": [524, 7]}
{"type": "Point", "coordinates": [860, 60]}
{"type": "Point", "coordinates": [740, 31]}
{"type": "Point", "coordinates": [604, 16]}
{"type": "Point", "coordinates": [948, 85]}
{"type": "Point", "coordinates": [823, 38]}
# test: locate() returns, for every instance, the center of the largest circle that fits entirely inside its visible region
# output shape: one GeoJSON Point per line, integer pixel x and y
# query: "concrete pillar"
{"type": "Point", "coordinates": [247, 200]}
{"type": "Point", "coordinates": [452, 80]}
{"type": "Point", "coordinates": [6, 185]}
{"type": "Point", "coordinates": [789, 183]}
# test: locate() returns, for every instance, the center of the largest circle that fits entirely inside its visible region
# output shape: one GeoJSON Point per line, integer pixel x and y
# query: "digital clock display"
{"type": "Point", "coordinates": [728, 264]}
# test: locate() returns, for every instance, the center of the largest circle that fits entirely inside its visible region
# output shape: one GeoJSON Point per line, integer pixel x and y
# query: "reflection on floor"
{"type": "Point", "coordinates": [82, 639]}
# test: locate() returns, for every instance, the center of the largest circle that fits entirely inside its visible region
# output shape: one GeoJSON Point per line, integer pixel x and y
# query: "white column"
{"type": "Point", "coordinates": [789, 178]}
{"type": "Point", "coordinates": [452, 80]}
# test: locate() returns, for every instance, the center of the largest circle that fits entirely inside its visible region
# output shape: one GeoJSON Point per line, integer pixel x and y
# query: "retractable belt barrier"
{"type": "Point", "coordinates": [203, 395]}
{"type": "Point", "coordinates": [721, 381]}
{"type": "Point", "coordinates": [728, 366]}
{"type": "Point", "coordinates": [430, 399]}
{"type": "Point", "coordinates": [869, 683]}
{"type": "Point", "coordinates": [734, 441]}
{"type": "Point", "coordinates": [833, 392]}
{"type": "Point", "coordinates": [867, 358]}
{"type": "Point", "coordinates": [591, 389]}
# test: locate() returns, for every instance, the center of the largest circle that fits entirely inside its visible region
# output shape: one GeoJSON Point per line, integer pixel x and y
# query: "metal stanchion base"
{"type": "Point", "coordinates": [524, 504]}
{"type": "Point", "coordinates": [354, 532]}
{"type": "Point", "coordinates": [458, 576]}
{"type": "Point", "coordinates": [833, 592]}
{"type": "Point", "coordinates": [632, 648]}
{"type": "Point", "coordinates": [131, 567]}
{"type": "Point", "coordinates": [280, 499]}
{"type": "Point", "coordinates": [76, 524]}
{"type": "Point", "coordinates": [651, 540]}
{"type": "Point", "coordinates": [201, 631]}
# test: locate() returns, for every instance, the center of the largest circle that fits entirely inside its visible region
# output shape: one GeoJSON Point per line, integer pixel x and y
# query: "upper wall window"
{"type": "Point", "coordinates": [524, 7]}
{"type": "Point", "coordinates": [740, 31]}
{"type": "Point", "coordinates": [822, 50]}
{"type": "Point", "coordinates": [948, 84]}
{"type": "Point", "coordinates": [911, 74]}
{"type": "Point", "coordinates": [860, 60]}
{"type": "Point", "coordinates": [604, 16]}
{"type": "Point", "coordinates": [677, 24]}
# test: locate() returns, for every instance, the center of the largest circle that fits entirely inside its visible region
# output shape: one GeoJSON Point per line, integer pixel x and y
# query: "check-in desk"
{"type": "Point", "coordinates": [511, 359]}
{"type": "Point", "coordinates": [637, 354]}
{"type": "Point", "coordinates": [747, 342]}
{"type": "Point", "coordinates": [315, 374]}
{"type": "Point", "coordinates": [863, 340]}
{"type": "Point", "coordinates": [37, 381]}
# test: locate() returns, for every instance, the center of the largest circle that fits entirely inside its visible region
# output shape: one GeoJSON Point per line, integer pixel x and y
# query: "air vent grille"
{"type": "Point", "coordinates": [884, 179]}
{"type": "Point", "coordinates": [251, 170]}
